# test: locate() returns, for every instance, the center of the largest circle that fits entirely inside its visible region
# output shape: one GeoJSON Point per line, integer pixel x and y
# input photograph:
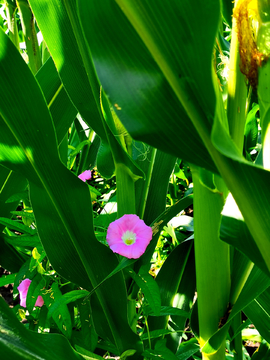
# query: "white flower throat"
{"type": "Point", "coordinates": [129, 237]}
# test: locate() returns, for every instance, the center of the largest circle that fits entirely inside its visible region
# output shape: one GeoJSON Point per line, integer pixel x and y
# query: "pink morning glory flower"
{"type": "Point", "coordinates": [23, 290]}
{"type": "Point", "coordinates": [86, 175]}
{"type": "Point", "coordinates": [129, 236]}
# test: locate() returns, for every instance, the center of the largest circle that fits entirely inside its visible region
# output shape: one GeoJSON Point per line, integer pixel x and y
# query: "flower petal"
{"type": "Point", "coordinates": [86, 175]}
{"type": "Point", "coordinates": [133, 224]}
{"type": "Point", "coordinates": [23, 290]}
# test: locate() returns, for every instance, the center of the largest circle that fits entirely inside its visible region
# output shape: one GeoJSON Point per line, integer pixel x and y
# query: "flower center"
{"type": "Point", "coordinates": [129, 237]}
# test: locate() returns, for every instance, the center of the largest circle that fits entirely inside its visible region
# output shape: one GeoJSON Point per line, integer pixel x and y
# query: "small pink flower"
{"type": "Point", "coordinates": [23, 290]}
{"type": "Point", "coordinates": [86, 175]}
{"type": "Point", "coordinates": [129, 236]}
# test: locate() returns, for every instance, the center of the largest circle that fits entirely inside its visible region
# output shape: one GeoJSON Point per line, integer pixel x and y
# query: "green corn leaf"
{"type": "Point", "coordinates": [141, 94]}
{"type": "Point", "coordinates": [255, 285]}
{"type": "Point", "coordinates": [57, 29]}
{"type": "Point", "coordinates": [168, 280]}
{"type": "Point", "coordinates": [160, 352]}
{"type": "Point", "coordinates": [162, 169]}
{"type": "Point", "coordinates": [66, 299]}
{"type": "Point", "coordinates": [150, 290]}
{"type": "Point", "coordinates": [259, 313]}
{"type": "Point", "coordinates": [61, 202]}
{"type": "Point", "coordinates": [158, 224]}
{"type": "Point", "coordinates": [187, 349]}
{"type": "Point", "coordinates": [10, 182]}
{"type": "Point", "coordinates": [166, 311]}
{"type": "Point", "coordinates": [62, 109]}
{"type": "Point", "coordinates": [16, 225]}
{"type": "Point", "coordinates": [61, 315]}
{"type": "Point", "coordinates": [7, 279]}
{"type": "Point", "coordinates": [234, 231]}
{"type": "Point", "coordinates": [195, 89]}
{"type": "Point", "coordinates": [24, 195]}
{"type": "Point", "coordinates": [23, 240]}
{"type": "Point", "coordinates": [88, 335]}
{"type": "Point", "coordinates": [16, 342]}
{"type": "Point", "coordinates": [156, 334]}
{"type": "Point", "coordinates": [24, 214]}
{"type": "Point", "coordinates": [87, 355]}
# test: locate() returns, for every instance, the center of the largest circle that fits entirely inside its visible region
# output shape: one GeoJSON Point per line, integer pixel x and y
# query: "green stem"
{"type": "Point", "coordinates": [12, 26]}
{"type": "Point", "coordinates": [212, 261]}
{"type": "Point", "coordinates": [30, 35]}
{"type": "Point", "coordinates": [147, 184]}
{"type": "Point", "coordinates": [83, 165]}
{"type": "Point", "coordinates": [237, 341]}
{"type": "Point", "coordinates": [148, 332]}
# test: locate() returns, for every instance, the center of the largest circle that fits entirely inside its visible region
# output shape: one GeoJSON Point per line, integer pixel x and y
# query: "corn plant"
{"type": "Point", "coordinates": [105, 106]}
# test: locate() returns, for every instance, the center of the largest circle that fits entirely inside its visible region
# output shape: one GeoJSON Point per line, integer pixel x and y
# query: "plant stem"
{"type": "Point", "coordinates": [30, 35]}
{"type": "Point", "coordinates": [237, 341]}
{"type": "Point", "coordinates": [12, 26]}
{"type": "Point", "coordinates": [212, 262]}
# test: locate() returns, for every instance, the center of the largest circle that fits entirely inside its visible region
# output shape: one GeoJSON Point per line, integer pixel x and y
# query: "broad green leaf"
{"type": "Point", "coordinates": [7, 279]}
{"type": "Point", "coordinates": [158, 224]}
{"type": "Point", "coordinates": [160, 352]}
{"type": "Point", "coordinates": [255, 285]}
{"type": "Point", "coordinates": [158, 187]}
{"type": "Point", "coordinates": [127, 170]}
{"type": "Point", "coordinates": [149, 288]}
{"type": "Point", "coordinates": [88, 355]}
{"type": "Point", "coordinates": [16, 225]}
{"type": "Point", "coordinates": [61, 315]}
{"type": "Point", "coordinates": [10, 182]}
{"type": "Point", "coordinates": [183, 299]}
{"type": "Point", "coordinates": [263, 352]}
{"type": "Point", "coordinates": [157, 333]}
{"type": "Point", "coordinates": [104, 160]}
{"type": "Point", "coordinates": [227, 9]}
{"type": "Point", "coordinates": [62, 110]}
{"type": "Point", "coordinates": [240, 177]}
{"type": "Point", "coordinates": [87, 333]}
{"type": "Point", "coordinates": [16, 342]}
{"type": "Point", "coordinates": [166, 311]}
{"type": "Point", "coordinates": [234, 231]}
{"type": "Point", "coordinates": [61, 202]}
{"type": "Point", "coordinates": [66, 299]}
{"type": "Point", "coordinates": [127, 353]}
{"type": "Point", "coordinates": [29, 35]}
{"type": "Point", "coordinates": [195, 89]}
{"type": "Point", "coordinates": [24, 214]}
{"type": "Point", "coordinates": [130, 76]}
{"type": "Point", "coordinates": [120, 155]}
{"type": "Point", "coordinates": [187, 349]}
{"type": "Point", "coordinates": [251, 129]}
{"type": "Point", "coordinates": [57, 21]}
{"type": "Point", "coordinates": [259, 313]}
{"type": "Point", "coordinates": [169, 279]}
{"type": "Point", "coordinates": [24, 196]}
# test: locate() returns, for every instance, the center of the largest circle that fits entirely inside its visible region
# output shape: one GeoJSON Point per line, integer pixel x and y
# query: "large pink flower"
{"type": "Point", "coordinates": [86, 175]}
{"type": "Point", "coordinates": [129, 236]}
{"type": "Point", "coordinates": [23, 290]}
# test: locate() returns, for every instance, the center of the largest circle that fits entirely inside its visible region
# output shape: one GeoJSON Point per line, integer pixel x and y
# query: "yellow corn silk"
{"type": "Point", "coordinates": [247, 19]}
